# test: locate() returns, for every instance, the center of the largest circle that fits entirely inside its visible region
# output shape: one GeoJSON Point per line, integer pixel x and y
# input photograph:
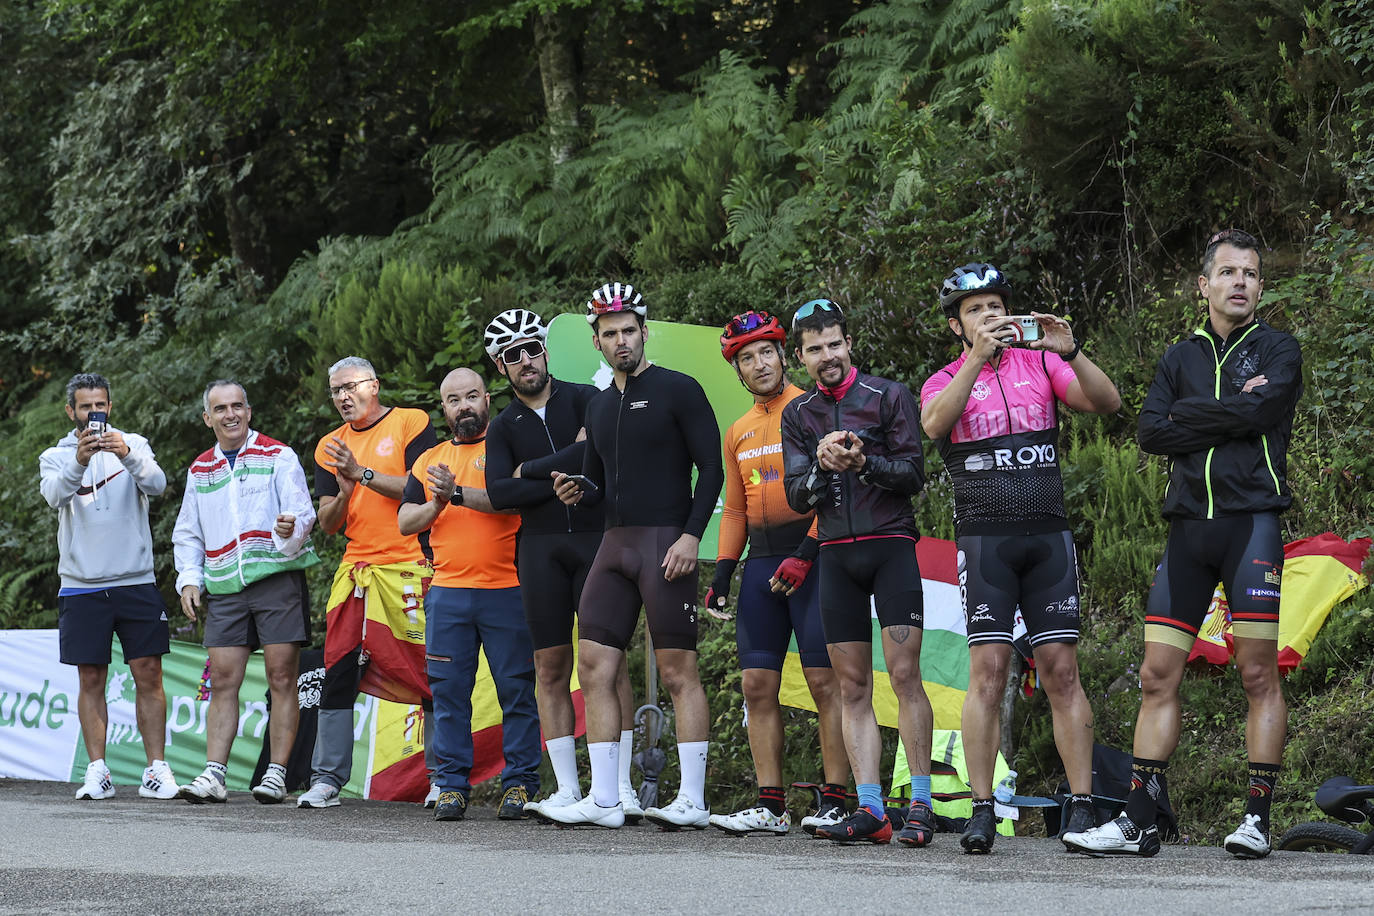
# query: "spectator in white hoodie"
{"type": "Point", "coordinates": [99, 478]}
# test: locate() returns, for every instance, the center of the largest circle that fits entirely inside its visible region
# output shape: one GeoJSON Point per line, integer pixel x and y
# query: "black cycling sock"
{"type": "Point", "coordinates": [833, 793]}
{"type": "Point", "coordinates": [1147, 782]}
{"type": "Point", "coordinates": [983, 805]}
{"type": "Point", "coordinates": [772, 798]}
{"type": "Point", "coordinates": [1262, 779]}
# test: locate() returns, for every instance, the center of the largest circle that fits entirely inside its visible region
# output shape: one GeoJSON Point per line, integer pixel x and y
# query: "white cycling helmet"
{"type": "Point", "coordinates": [510, 326]}
{"type": "Point", "coordinates": [615, 297]}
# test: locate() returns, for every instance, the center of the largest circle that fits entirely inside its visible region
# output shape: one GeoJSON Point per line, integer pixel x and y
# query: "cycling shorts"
{"type": "Point", "coordinates": [883, 568]}
{"type": "Point", "coordinates": [1036, 572]}
{"type": "Point", "coordinates": [627, 573]}
{"type": "Point", "coordinates": [767, 619]}
{"type": "Point", "coordinates": [553, 568]}
{"type": "Point", "coordinates": [1243, 552]}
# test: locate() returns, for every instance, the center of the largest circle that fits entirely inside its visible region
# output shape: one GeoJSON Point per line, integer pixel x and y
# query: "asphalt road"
{"type": "Point", "coordinates": [129, 854]}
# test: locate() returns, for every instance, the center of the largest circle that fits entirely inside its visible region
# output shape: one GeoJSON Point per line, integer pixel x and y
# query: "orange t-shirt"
{"type": "Point", "coordinates": [370, 525]}
{"type": "Point", "coordinates": [755, 502]}
{"type": "Point", "coordinates": [471, 549]}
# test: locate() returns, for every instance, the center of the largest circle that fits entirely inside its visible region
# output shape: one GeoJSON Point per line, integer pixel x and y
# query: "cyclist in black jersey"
{"type": "Point", "coordinates": [852, 454]}
{"type": "Point", "coordinates": [993, 414]}
{"type": "Point", "coordinates": [542, 430]}
{"type": "Point", "coordinates": [644, 435]}
{"type": "Point", "coordinates": [1221, 408]}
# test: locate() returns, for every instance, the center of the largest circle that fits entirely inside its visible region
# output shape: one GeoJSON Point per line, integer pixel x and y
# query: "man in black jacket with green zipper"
{"type": "Point", "coordinates": [1221, 408]}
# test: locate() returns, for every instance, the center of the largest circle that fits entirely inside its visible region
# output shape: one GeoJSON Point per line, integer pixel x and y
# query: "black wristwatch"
{"type": "Point", "coordinates": [368, 474]}
{"type": "Point", "coordinates": [1077, 348]}
{"type": "Point", "coordinates": [457, 498]}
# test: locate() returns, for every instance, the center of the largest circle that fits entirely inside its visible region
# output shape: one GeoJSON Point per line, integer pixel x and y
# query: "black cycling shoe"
{"type": "Point", "coordinates": [1082, 816]}
{"type": "Point", "coordinates": [981, 831]}
{"type": "Point", "coordinates": [859, 827]}
{"type": "Point", "coordinates": [919, 829]}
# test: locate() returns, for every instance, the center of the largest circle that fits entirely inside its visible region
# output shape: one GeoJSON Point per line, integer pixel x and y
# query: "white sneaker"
{"type": "Point", "coordinates": [432, 797]}
{"type": "Point", "coordinates": [97, 783]}
{"type": "Point", "coordinates": [683, 812]}
{"type": "Point", "coordinates": [827, 815]}
{"type": "Point", "coordinates": [585, 813]}
{"type": "Point", "coordinates": [158, 782]}
{"type": "Point", "coordinates": [629, 800]}
{"type": "Point", "coordinates": [560, 799]}
{"type": "Point", "coordinates": [320, 795]}
{"type": "Point", "coordinates": [272, 789]}
{"type": "Point", "coordinates": [1118, 837]}
{"type": "Point", "coordinates": [753, 820]}
{"type": "Point", "coordinates": [204, 788]}
{"type": "Point", "coordinates": [1248, 842]}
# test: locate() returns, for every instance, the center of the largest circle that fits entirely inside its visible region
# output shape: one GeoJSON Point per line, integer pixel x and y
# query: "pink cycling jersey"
{"type": "Point", "coordinates": [1002, 453]}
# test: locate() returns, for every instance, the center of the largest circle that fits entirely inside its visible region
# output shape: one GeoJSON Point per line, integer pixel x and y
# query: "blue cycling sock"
{"type": "Point", "coordinates": [871, 797]}
{"type": "Point", "coordinates": [920, 789]}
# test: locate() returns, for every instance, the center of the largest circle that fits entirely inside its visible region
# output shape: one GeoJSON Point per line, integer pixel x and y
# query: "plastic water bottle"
{"type": "Point", "coordinates": [1006, 788]}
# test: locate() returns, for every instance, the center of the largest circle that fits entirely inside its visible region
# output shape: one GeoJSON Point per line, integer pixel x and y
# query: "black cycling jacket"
{"type": "Point", "coordinates": [641, 445]}
{"type": "Point", "coordinates": [876, 501]}
{"type": "Point", "coordinates": [518, 436]}
{"type": "Point", "coordinates": [1228, 449]}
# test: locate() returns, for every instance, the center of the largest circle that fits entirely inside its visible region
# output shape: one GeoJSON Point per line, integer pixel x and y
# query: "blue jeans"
{"type": "Point", "coordinates": [458, 623]}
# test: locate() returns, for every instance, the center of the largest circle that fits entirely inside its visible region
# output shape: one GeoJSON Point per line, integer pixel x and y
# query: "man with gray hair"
{"type": "Point", "coordinates": [360, 475]}
{"type": "Point", "coordinates": [99, 480]}
{"type": "Point", "coordinates": [241, 541]}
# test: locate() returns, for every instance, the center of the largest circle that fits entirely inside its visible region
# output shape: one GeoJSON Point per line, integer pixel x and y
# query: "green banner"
{"type": "Point", "coordinates": [693, 349]}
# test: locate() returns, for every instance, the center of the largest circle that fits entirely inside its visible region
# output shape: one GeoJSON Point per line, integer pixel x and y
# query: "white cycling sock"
{"type": "Point", "coordinates": [627, 749]}
{"type": "Point", "coordinates": [604, 769]}
{"type": "Point", "coordinates": [691, 758]}
{"type": "Point", "coordinates": [563, 757]}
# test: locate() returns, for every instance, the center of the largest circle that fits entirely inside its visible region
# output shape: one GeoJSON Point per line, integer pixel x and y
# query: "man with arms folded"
{"type": "Point", "coordinates": [542, 430]}
{"type": "Point", "coordinates": [99, 480]}
{"type": "Point", "coordinates": [994, 416]}
{"type": "Point", "coordinates": [241, 540]}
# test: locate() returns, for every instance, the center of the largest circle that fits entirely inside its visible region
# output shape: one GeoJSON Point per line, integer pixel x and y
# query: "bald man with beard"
{"type": "Point", "coordinates": [473, 604]}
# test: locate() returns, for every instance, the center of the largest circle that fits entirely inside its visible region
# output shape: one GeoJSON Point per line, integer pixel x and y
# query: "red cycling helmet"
{"type": "Point", "coordinates": [744, 329]}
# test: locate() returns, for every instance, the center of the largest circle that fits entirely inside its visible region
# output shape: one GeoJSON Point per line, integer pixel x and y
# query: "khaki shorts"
{"type": "Point", "coordinates": [270, 611]}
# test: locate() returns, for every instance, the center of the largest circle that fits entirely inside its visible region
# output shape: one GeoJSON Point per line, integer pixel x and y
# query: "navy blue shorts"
{"type": "Point", "coordinates": [86, 624]}
{"type": "Point", "coordinates": [767, 619]}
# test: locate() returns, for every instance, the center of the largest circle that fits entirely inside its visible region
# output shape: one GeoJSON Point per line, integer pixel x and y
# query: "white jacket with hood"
{"type": "Point", "coordinates": [102, 512]}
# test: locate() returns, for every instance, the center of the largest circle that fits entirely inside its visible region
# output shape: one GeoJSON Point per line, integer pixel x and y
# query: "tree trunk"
{"type": "Point", "coordinates": [558, 73]}
{"type": "Point", "coordinates": [244, 222]}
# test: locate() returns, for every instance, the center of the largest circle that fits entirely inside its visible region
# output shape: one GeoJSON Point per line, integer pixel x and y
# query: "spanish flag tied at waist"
{"type": "Point", "coordinates": [1319, 573]}
{"type": "Point", "coordinates": [381, 607]}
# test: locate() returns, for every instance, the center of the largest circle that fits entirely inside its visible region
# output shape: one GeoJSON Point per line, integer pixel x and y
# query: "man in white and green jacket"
{"type": "Point", "coordinates": [242, 538]}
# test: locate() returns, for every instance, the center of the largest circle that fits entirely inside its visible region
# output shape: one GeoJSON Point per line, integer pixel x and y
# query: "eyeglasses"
{"type": "Point", "coordinates": [810, 308]}
{"type": "Point", "coordinates": [973, 281]}
{"type": "Point", "coordinates": [529, 350]}
{"type": "Point", "coordinates": [348, 387]}
{"type": "Point", "coordinates": [749, 321]}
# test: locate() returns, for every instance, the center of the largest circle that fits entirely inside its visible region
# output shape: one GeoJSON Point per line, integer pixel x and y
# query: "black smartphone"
{"type": "Point", "coordinates": [97, 422]}
{"type": "Point", "coordinates": [586, 485]}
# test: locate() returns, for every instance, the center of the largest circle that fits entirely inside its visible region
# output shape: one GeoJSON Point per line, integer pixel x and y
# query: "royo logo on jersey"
{"type": "Point", "coordinates": [1002, 458]}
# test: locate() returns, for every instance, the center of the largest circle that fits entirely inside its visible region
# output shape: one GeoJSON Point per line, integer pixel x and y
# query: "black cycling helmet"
{"type": "Point", "coordinates": [971, 279]}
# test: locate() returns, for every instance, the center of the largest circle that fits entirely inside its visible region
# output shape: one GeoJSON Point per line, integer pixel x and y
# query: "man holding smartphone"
{"type": "Point", "coordinates": [993, 414]}
{"type": "Point", "coordinates": [645, 433]}
{"type": "Point", "coordinates": [542, 430]}
{"type": "Point", "coordinates": [852, 455]}
{"type": "Point", "coordinates": [99, 480]}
